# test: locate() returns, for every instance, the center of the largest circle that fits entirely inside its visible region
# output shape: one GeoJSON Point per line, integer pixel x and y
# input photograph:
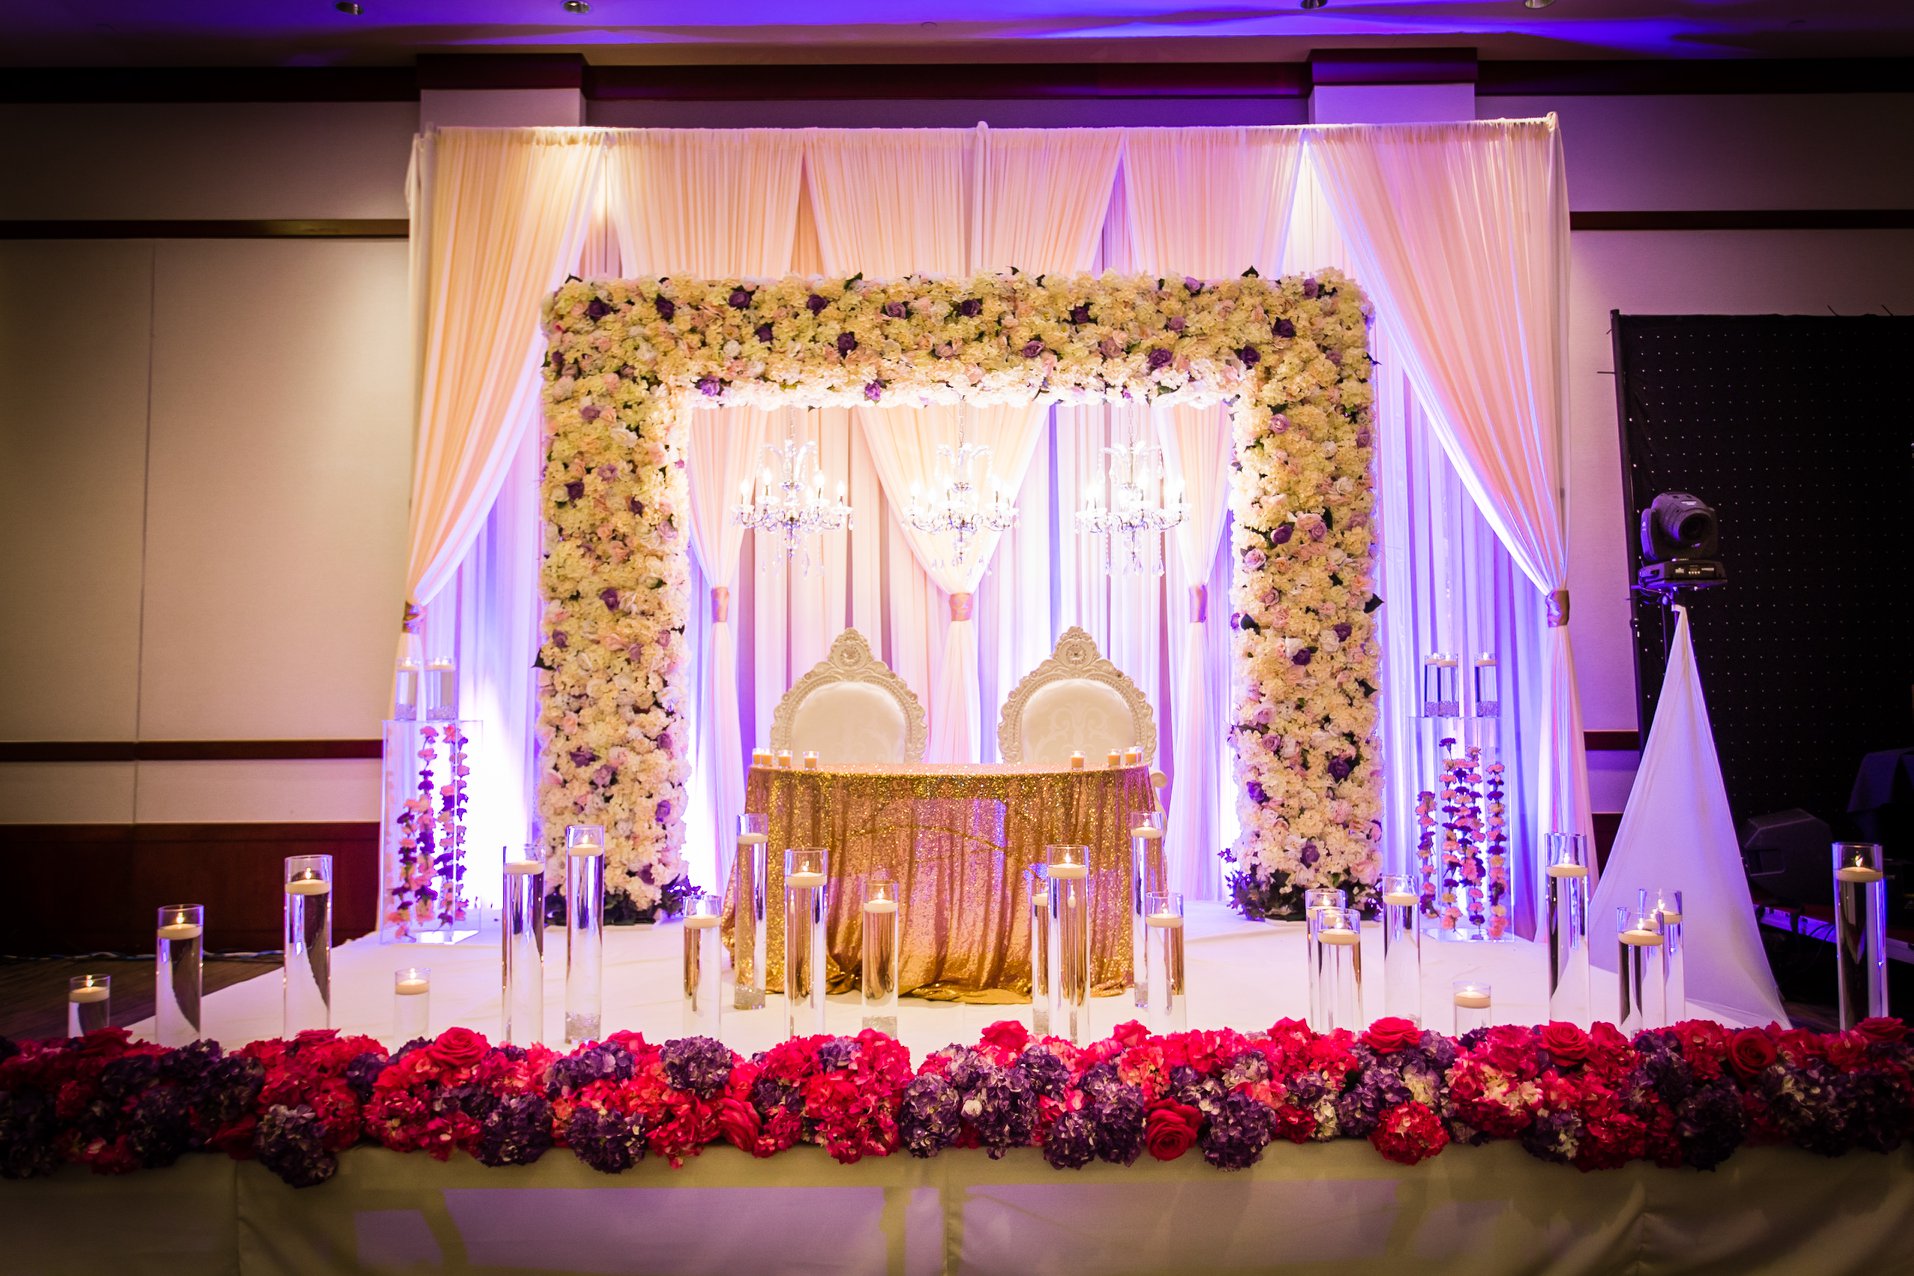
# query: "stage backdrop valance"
{"type": "Point", "coordinates": [626, 359]}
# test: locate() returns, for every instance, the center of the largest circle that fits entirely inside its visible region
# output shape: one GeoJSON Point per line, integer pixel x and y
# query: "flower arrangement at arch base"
{"type": "Point", "coordinates": [1688, 1095]}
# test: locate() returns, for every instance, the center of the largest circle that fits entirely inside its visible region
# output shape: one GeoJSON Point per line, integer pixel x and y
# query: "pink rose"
{"type": "Point", "coordinates": [1170, 1130]}
{"type": "Point", "coordinates": [1750, 1051]}
{"type": "Point", "coordinates": [1565, 1043]}
{"type": "Point", "coordinates": [458, 1048]}
{"type": "Point", "coordinates": [1390, 1034]}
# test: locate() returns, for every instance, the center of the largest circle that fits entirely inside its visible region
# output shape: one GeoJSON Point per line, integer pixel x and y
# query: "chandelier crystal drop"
{"type": "Point", "coordinates": [789, 502]}
{"type": "Point", "coordinates": [960, 510]}
{"type": "Point", "coordinates": [1133, 522]}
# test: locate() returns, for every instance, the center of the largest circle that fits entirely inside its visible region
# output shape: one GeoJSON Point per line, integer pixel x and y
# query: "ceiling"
{"type": "Point", "coordinates": [392, 32]}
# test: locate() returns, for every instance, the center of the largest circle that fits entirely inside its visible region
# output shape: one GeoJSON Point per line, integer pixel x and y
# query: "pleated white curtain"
{"type": "Point", "coordinates": [1460, 235]}
{"type": "Point", "coordinates": [1210, 203]}
{"type": "Point", "coordinates": [504, 214]}
{"type": "Point", "coordinates": [715, 204]}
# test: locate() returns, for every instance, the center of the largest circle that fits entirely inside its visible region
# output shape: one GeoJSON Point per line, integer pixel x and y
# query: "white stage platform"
{"type": "Point", "coordinates": [1242, 975]}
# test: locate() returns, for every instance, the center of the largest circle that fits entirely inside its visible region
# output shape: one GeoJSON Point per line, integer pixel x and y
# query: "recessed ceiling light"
{"type": "Point", "coordinates": [577, 6]}
{"type": "Point", "coordinates": [1314, 4]}
{"type": "Point", "coordinates": [347, 7]}
{"type": "Point", "coordinates": [1537, 4]}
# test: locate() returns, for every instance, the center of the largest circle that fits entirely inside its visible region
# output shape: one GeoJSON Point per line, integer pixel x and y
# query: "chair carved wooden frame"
{"type": "Point", "coordinates": [1075, 659]}
{"type": "Point", "coordinates": [851, 660]}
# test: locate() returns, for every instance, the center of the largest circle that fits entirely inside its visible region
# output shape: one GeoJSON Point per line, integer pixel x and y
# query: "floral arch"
{"type": "Point", "coordinates": [627, 358]}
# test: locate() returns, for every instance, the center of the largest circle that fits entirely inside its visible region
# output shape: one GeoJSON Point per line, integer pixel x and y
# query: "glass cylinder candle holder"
{"type": "Point", "coordinates": [810, 759]}
{"type": "Point", "coordinates": [307, 966]}
{"type": "Point", "coordinates": [1321, 897]}
{"type": "Point", "coordinates": [1566, 909]}
{"type": "Point", "coordinates": [702, 1012]}
{"type": "Point", "coordinates": [1037, 881]}
{"type": "Point", "coordinates": [1400, 898]}
{"type": "Point", "coordinates": [881, 920]}
{"type": "Point", "coordinates": [807, 876]}
{"type": "Point", "coordinates": [584, 931]}
{"type": "Point", "coordinates": [405, 689]}
{"type": "Point", "coordinates": [1664, 906]}
{"type": "Point", "coordinates": [761, 757]}
{"type": "Point", "coordinates": [1149, 875]}
{"type": "Point", "coordinates": [784, 759]}
{"type": "Point", "coordinates": [748, 929]}
{"type": "Point", "coordinates": [522, 943]}
{"type": "Point", "coordinates": [1860, 931]}
{"type": "Point", "coordinates": [1165, 1005]}
{"type": "Point", "coordinates": [1638, 967]}
{"type": "Point", "coordinates": [411, 1003]}
{"type": "Point", "coordinates": [178, 962]}
{"type": "Point", "coordinates": [1069, 874]}
{"type": "Point", "coordinates": [1338, 934]}
{"type": "Point", "coordinates": [1441, 698]}
{"type": "Point", "coordinates": [1487, 689]}
{"type": "Point", "coordinates": [441, 689]}
{"type": "Point", "coordinates": [1473, 1000]}
{"type": "Point", "coordinates": [89, 1004]}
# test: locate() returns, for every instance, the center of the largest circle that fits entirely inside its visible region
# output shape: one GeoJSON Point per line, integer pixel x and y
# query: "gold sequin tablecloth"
{"type": "Point", "coordinates": [957, 839]}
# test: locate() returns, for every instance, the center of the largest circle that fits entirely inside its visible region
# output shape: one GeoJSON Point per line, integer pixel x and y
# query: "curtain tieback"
{"type": "Point", "coordinates": [1557, 603]}
{"type": "Point", "coordinates": [720, 604]}
{"type": "Point", "coordinates": [1199, 604]}
{"type": "Point", "coordinates": [409, 622]}
{"type": "Point", "coordinates": [960, 606]}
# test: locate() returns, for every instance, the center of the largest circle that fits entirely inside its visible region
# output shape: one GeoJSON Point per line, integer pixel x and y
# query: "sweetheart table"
{"type": "Point", "coordinates": [957, 839]}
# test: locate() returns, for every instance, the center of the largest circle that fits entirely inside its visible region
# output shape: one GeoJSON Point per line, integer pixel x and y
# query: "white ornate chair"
{"type": "Point", "coordinates": [851, 708]}
{"type": "Point", "coordinates": [1074, 702]}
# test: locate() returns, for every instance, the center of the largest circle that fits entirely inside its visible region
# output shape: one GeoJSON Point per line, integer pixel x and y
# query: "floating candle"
{"type": "Point", "coordinates": [588, 850]}
{"type": "Point", "coordinates": [1147, 832]}
{"type": "Point", "coordinates": [802, 880]}
{"type": "Point", "coordinates": [753, 839]}
{"type": "Point", "coordinates": [308, 885]}
{"type": "Point", "coordinates": [523, 868]}
{"type": "Point", "coordinates": [411, 987]}
{"type": "Point", "coordinates": [1165, 920]}
{"type": "Point", "coordinates": [1401, 899]}
{"type": "Point", "coordinates": [89, 994]}
{"type": "Point", "coordinates": [1040, 899]}
{"type": "Point", "coordinates": [880, 905]}
{"type": "Point", "coordinates": [1472, 999]}
{"type": "Point", "coordinates": [1568, 870]}
{"type": "Point", "coordinates": [1069, 872]}
{"type": "Point", "coordinates": [1337, 936]}
{"type": "Point", "coordinates": [1857, 873]}
{"type": "Point", "coordinates": [700, 921]}
{"type": "Point", "coordinates": [180, 931]}
{"type": "Point", "coordinates": [1641, 938]}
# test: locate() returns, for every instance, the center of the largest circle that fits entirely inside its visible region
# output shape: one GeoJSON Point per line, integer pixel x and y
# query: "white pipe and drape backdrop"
{"type": "Point", "coordinates": [1457, 232]}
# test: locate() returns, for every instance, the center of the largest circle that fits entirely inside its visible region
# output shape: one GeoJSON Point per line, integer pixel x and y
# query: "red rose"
{"type": "Point", "coordinates": [458, 1048]}
{"type": "Point", "coordinates": [1390, 1034]}
{"type": "Point", "coordinates": [1799, 1044]}
{"type": "Point", "coordinates": [1408, 1133]}
{"type": "Point", "coordinates": [738, 1121]}
{"type": "Point", "coordinates": [1565, 1043]}
{"type": "Point", "coordinates": [1845, 1050]}
{"type": "Point", "coordinates": [1007, 1034]}
{"type": "Point", "coordinates": [1131, 1034]}
{"type": "Point", "coordinates": [1881, 1028]}
{"type": "Point", "coordinates": [1170, 1130]}
{"type": "Point", "coordinates": [1749, 1052]}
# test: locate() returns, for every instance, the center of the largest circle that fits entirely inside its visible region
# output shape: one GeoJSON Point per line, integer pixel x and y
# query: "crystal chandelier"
{"type": "Point", "coordinates": [1133, 523]}
{"type": "Point", "coordinates": [789, 502]}
{"type": "Point", "coordinates": [960, 510]}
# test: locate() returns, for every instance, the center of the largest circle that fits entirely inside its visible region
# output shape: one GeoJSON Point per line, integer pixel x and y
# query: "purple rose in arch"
{"type": "Point", "coordinates": [894, 309]}
{"type": "Point", "coordinates": [764, 333]}
{"type": "Point", "coordinates": [1080, 313]}
{"type": "Point", "coordinates": [583, 757]}
{"type": "Point", "coordinates": [560, 639]}
{"type": "Point", "coordinates": [590, 412]}
{"type": "Point", "coordinates": [970, 307]}
{"type": "Point", "coordinates": [1282, 534]}
{"type": "Point", "coordinates": [597, 309]}
{"type": "Point", "coordinates": [1310, 854]}
{"type": "Point", "coordinates": [1250, 356]}
{"type": "Point", "coordinates": [846, 342]}
{"type": "Point", "coordinates": [664, 811]}
{"type": "Point", "coordinates": [1256, 793]}
{"type": "Point", "coordinates": [575, 490]}
{"type": "Point", "coordinates": [740, 298]}
{"type": "Point", "coordinates": [711, 387]}
{"type": "Point", "coordinates": [1194, 285]}
{"type": "Point", "coordinates": [1159, 358]}
{"type": "Point", "coordinates": [1031, 349]}
{"type": "Point", "coordinates": [1340, 767]}
{"type": "Point", "coordinates": [1285, 329]}
{"type": "Point", "coordinates": [815, 303]}
{"type": "Point", "coordinates": [1310, 287]}
{"type": "Point", "coordinates": [1176, 323]}
{"type": "Point", "coordinates": [1303, 656]}
{"type": "Point", "coordinates": [665, 307]}
{"type": "Point", "coordinates": [609, 597]}
{"type": "Point", "coordinates": [635, 505]}
{"type": "Point", "coordinates": [1343, 630]}
{"type": "Point", "coordinates": [874, 391]}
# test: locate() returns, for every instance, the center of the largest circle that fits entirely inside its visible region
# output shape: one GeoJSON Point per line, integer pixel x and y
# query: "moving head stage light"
{"type": "Point", "coordinates": [1681, 539]}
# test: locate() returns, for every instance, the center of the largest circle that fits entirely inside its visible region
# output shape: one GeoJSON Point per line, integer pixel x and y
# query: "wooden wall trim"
{"type": "Point", "coordinates": [296, 228]}
{"type": "Point", "coordinates": [1744, 219]}
{"type": "Point", "coordinates": [188, 750]}
{"type": "Point", "coordinates": [910, 81]}
{"type": "Point", "coordinates": [235, 870]}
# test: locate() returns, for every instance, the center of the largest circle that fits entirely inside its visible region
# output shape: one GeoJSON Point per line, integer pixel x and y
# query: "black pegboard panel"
{"type": "Point", "coordinates": [1799, 430]}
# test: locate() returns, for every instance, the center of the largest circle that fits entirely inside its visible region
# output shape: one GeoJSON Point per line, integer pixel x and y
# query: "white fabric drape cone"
{"type": "Point", "coordinates": [1460, 233]}
{"type": "Point", "coordinates": [1210, 203]}
{"type": "Point", "coordinates": [711, 203]}
{"type": "Point", "coordinates": [1678, 833]}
